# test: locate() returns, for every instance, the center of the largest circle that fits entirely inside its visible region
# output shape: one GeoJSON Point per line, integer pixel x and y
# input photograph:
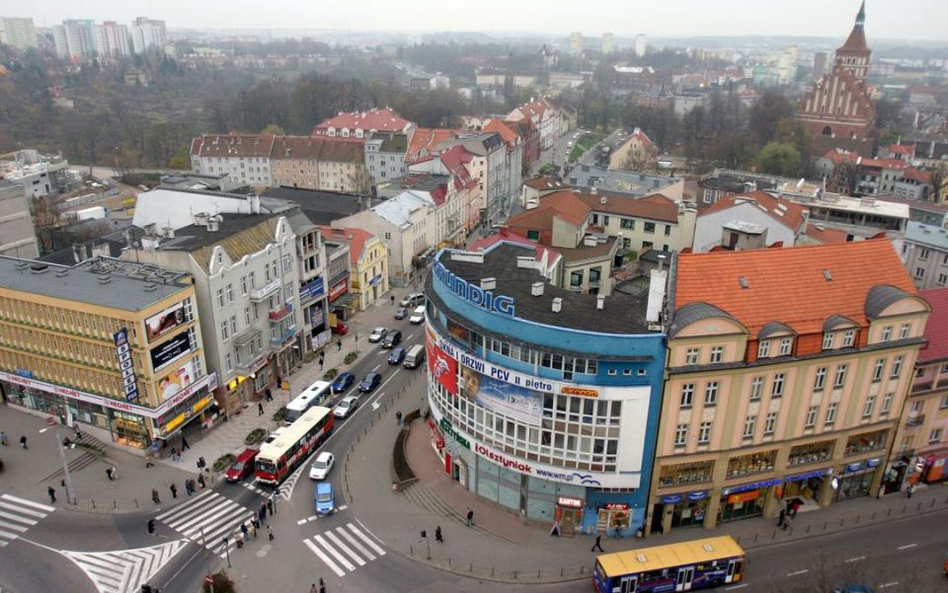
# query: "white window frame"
{"type": "Point", "coordinates": [828, 339]}
{"type": "Point", "coordinates": [711, 394]}
{"type": "Point", "coordinates": [869, 406]}
{"type": "Point", "coordinates": [877, 370]}
{"type": "Point", "coordinates": [687, 393]}
{"type": "Point", "coordinates": [886, 406]}
{"type": "Point", "coordinates": [839, 379]}
{"type": "Point", "coordinates": [704, 433]}
{"type": "Point", "coordinates": [750, 426]}
{"type": "Point", "coordinates": [757, 388]}
{"type": "Point", "coordinates": [778, 385]}
{"type": "Point", "coordinates": [831, 411]}
{"type": "Point", "coordinates": [886, 334]}
{"type": "Point", "coordinates": [786, 346]}
{"type": "Point", "coordinates": [849, 338]}
{"type": "Point", "coordinates": [681, 435]}
{"type": "Point", "coordinates": [896, 366]}
{"type": "Point", "coordinates": [763, 349]}
{"type": "Point", "coordinates": [819, 379]}
{"type": "Point", "coordinates": [811, 413]}
{"type": "Point", "coordinates": [770, 424]}
{"type": "Point", "coordinates": [717, 354]}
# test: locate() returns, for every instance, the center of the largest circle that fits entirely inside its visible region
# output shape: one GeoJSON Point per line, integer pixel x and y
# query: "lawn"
{"type": "Point", "coordinates": [585, 142]}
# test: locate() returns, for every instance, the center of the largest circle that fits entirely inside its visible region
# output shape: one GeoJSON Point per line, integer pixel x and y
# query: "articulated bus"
{"type": "Point", "coordinates": [279, 458]}
{"type": "Point", "coordinates": [316, 394]}
{"type": "Point", "coordinates": [698, 564]}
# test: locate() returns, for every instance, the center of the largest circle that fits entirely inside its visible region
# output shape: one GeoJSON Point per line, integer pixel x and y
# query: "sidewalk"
{"type": "Point", "coordinates": [503, 546]}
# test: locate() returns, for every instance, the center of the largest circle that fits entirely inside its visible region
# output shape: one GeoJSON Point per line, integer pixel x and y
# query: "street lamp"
{"type": "Point", "coordinates": [226, 550]}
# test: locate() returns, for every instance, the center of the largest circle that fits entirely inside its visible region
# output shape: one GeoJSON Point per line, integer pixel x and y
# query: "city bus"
{"type": "Point", "coordinates": [279, 458]}
{"type": "Point", "coordinates": [698, 564]}
{"type": "Point", "coordinates": [316, 394]}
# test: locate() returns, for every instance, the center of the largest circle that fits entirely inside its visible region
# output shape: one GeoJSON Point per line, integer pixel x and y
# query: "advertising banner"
{"type": "Point", "coordinates": [124, 352]}
{"type": "Point", "coordinates": [170, 351]}
{"type": "Point", "coordinates": [338, 289]}
{"type": "Point", "coordinates": [176, 381]}
{"type": "Point", "coordinates": [165, 321]}
{"type": "Point", "coordinates": [511, 400]}
{"type": "Point", "coordinates": [442, 367]}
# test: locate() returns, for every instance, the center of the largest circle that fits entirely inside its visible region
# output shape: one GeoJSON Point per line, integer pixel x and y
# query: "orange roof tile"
{"type": "Point", "coordinates": [823, 234]}
{"type": "Point", "coordinates": [936, 331]}
{"type": "Point", "coordinates": [788, 285]}
{"type": "Point", "coordinates": [564, 204]}
{"type": "Point", "coordinates": [792, 212]}
{"type": "Point", "coordinates": [655, 206]}
{"type": "Point", "coordinates": [425, 141]}
{"type": "Point", "coordinates": [356, 238]}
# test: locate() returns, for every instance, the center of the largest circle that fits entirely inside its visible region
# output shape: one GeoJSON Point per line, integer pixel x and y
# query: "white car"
{"type": "Point", "coordinates": [417, 316]}
{"type": "Point", "coordinates": [377, 334]}
{"type": "Point", "coordinates": [320, 468]}
{"type": "Point", "coordinates": [345, 406]}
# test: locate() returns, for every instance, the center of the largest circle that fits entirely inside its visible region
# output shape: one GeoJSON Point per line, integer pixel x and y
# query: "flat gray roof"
{"type": "Point", "coordinates": [131, 286]}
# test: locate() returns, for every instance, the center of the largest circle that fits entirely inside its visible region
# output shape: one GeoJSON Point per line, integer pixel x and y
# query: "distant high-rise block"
{"type": "Point", "coordinates": [576, 43]}
{"type": "Point", "coordinates": [148, 34]}
{"type": "Point", "coordinates": [608, 45]}
{"type": "Point", "coordinates": [819, 64]}
{"type": "Point", "coordinates": [640, 45]}
{"type": "Point", "coordinates": [17, 32]}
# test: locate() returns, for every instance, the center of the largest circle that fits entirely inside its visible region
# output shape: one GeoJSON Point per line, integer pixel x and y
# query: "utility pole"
{"type": "Point", "coordinates": [70, 492]}
{"type": "Point", "coordinates": [207, 558]}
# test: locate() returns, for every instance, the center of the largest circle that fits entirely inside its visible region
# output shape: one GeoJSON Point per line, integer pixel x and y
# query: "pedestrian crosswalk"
{"type": "Point", "coordinates": [345, 548]}
{"type": "Point", "coordinates": [124, 571]}
{"type": "Point", "coordinates": [252, 486]}
{"type": "Point", "coordinates": [17, 515]}
{"type": "Point", "coordinates": [285, 490]}
{"type": "Point", "coordinates": [208, 518]}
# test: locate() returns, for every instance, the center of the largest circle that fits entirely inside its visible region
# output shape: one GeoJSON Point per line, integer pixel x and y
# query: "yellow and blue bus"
{"type": "Point", "coordinates": [698, 564]}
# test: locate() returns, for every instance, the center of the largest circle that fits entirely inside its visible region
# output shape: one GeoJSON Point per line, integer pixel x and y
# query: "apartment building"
{"type": "Point", "coordinates": [148, 34]}
{"type": "Point", "coordinates": [244, 157]}
{"type": "Point", "coordinates": [312, 269]}
{"type": "Point", "coordinates": [925, 253]}
{"type": "Point", "coordinates": [110, 40]}
{"type": "Point", "coordinates": [74, 39]}
{"type": "Point", "coordinates": [785, 379]}
{"type": "Point", "coordinates": [113, 345]}
{"type": "Point", "coordinates": [368, 264]}
{"type": "Point", "coordinates": [17, 237]}
{"type": "Point", "coordinates": [17, 32]}
{"type": "Point", "coordinates": [385, 156]}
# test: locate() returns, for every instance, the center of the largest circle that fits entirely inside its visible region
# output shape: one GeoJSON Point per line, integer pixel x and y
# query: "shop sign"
{"type": "Point", "coordinates": [501, 459]}
{"type": "Point", "coordinates": [170, 351]}
{"type": "Point", "coordinates": [743, 497]}
{"type": "Point", "coordinates": [375, 280]}
{"type": "Point", "coordinates": [473, 293]}
{"type": "Point", "coordinates": [580, 391]}
{"type": "Point", "coordinates": [124, 351]}
{"type": "Point", "coordinates": [569, 501]}
{"type": "Point", "coordinates": [616, 506]}
{"type": "Point", "coordinates": [312, 289]}
{"type": "Point", "coordinates": [854, 467]}
{"type": "Point", "coordinates": [752, 486]}
{"type": "Point", "coordinates": [338, 289]}
{"type": "Point", "coordinates": [873, 462]}
{"type": "Point", "coordinates": [672, 499]}
{"type": "Point", "coordinates": [696, 496]}
{"type": "Point", "coordinates": [316, 318]}
{"type": "Point", "coordinates": [24, 373]}
{"type": "Point", "coordinates": [496, 372]}
{"type": "Point", "coordinates": [443, 368]}
{"type": "Point", "coordinates": [450, 431]}
{"type": "Point", "coordinates": [806, 476]}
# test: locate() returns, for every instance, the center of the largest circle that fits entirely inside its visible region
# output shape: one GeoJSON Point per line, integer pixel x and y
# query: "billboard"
{"type": "Point", "coordinates": [177, 380]}
{"type": "Point", "coordinates": [164, 321]}
{"type": "Point", "coordinates": [442, 367]}
{"type": "Point", "coordinates": [505, 398]}
{"type": "Point", "coordinates": [170, 351]}
{"type": "Point", "coordinates": [124, 352]}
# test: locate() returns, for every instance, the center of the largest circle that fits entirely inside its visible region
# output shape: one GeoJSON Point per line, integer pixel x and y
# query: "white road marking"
{"type": "Point", "coordinates": [907, 546]}
{"type": "Point", "coordinates": [856, 559]}
{"type": "Point", "coordinates": [322, 556]}
{"type": "Point", "coordinates": [30, 503]}
{"type": "Point", "coordinates": [124, 571]}
{"type": "Point", "coordinates": [335, 539]}
{"type": "Point", "coordinates": [793, 574]}
{"type": "Point", "coordinates": [17, 515]}
{"type": "Point", "coordinates": [892, 584]}
{"type": "Point", "coordinates": [367, 540]}
{"type": "Point", "coordinates": [376, 405]}
{"type": "Point", "coordinates": [376, 367]}
{"type": "Point", "coordinates": [741, 586]}
{"type": "Point", "coordinates": [342, 559]}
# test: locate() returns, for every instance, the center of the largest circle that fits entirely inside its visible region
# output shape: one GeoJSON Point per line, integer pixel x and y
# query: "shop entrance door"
{"type": "Point", "coordinates": [686, 576]}
{"type": "Point", "coordinates": [628, 584]}
{"type": "Point", "coordinates": [567, 522]}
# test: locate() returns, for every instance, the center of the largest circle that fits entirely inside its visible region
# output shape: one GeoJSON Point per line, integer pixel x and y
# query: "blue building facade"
{"type": "Point", "coordinates": [543, 400]}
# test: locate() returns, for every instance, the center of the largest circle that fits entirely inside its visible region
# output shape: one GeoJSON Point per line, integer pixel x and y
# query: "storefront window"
{"type": "Point", "coordinates": [743, 505]}
{"type": "Point", "coordinates": [854, 485]}
{"type": "Point", "coordinates": [689, 513]}
{"type": "Point", "coordinates": [130, 430]}
{"type": "Point", "coordinates": [811, 453]}
{"type": "Point", "coordinates": [686, 473]}
{"type": "Point", "coordinates": [868, 441]}
{"type": "Point", "coordinates": [753, 463]}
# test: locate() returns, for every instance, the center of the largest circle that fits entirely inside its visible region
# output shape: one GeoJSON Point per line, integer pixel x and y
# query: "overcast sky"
{"type": "Point", "coordinates": [906, 19]}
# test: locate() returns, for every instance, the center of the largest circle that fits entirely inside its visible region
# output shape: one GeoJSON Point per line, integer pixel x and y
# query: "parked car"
{"type": "Point", "coordinates": [243, 466]}
{"type": "Point", "coordinates": [414, 357]}
{"type": "Point", "coordinates": [343, 382]}
{"type": "Point", "coordinates": [345, 406]}
{"type": "Point", "coordinates": [325, 503]}
{"type": "Point", "coordinates": [396, 356]}
{"type": "Point", "coordinates": [417, 316]}
{"type": "Point", "coordinates": [321, 466]}
{"type": "Point", "coordinates": [377, 334]}
{"type": "Point", "coordinates": [370, 382]}
{"type": "Point", "coordinates": [340, 329]}
{"type": "Point", "coordinates": [401, 312]}
{"type": "Point", "coordinates": [413, 300]}
{"type": "Point", "coordinates": [392, 339]}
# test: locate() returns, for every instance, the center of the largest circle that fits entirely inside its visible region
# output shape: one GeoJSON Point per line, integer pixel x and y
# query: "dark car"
{"type": "Point", "coordinates": [243, 466]}
{"type": "Point", "coordinates": [392, 339]}
{"type": "Point", "coordinates": [343, 382]}
{"type": "Point", "coordinates": [401, 312]}
{"type": "Point", "coordinates": [396, 356]}
{"type": "Point", "coordinates": [370, 382]}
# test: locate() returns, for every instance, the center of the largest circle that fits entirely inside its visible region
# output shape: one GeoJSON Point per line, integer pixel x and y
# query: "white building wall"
{"type": "Point", "coordinates": [709, 227]}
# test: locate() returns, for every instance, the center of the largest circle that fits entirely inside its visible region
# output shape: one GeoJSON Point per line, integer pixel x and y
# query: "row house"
{"type": "Point", "coordinates": [245, 158]}
{"type": "Point", "coordinates": [368, 264]}
{"type": "Point", "coordinates": [545, 115]}
{"type": "Point", "coordinates": [362, 124]}
{"type": "Point", "coordinates": [846, 171]}
{"type": "Point", "coordinates": [785, 380]}
{"type": "Point", "coordinates": [385, 156]}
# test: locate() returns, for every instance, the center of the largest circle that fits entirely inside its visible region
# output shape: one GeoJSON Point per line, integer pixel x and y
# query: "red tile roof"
{"type": "Point", "coordinates": [788, 285]}
{"type": "Point", "coordinates": [562, 204]}
{"type": "Point", "coordinates": [381, 120]}
{"type": "Point", "coordinates": [506, 131]}
{"type": "Point", "coordinates": [234, 145]}
{"type": "Point", "coordinates": [792, 212]}
{"type": "Point", "coordinates": [654, 207]}
{"type": "Point", "coordinates": [425, 141]}
{"type": "Point", "coordinates": [509, 236]}
{"type": "Point", "coordinates": [901, 149]}
{"type": "Point", "coordinates": [936, 332]}
{"type": "Point", "coordinates": [823, 234]}
{"type": "Point", "coordinates": [455, 160]}
{"type": "Point", "coordinates": [544, 183]}
{"type": "Point", "coordinates": [841, 156]}
{"type": "Point", "coordinates": [356, 238]}
{"type": "Point", "coordinates": [920, 175]}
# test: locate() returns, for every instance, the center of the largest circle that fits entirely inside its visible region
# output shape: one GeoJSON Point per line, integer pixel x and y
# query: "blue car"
{"type": "Point", "coordinates": [370, 382]}
{"type": "Point", "coordinates": [343, 382]}
{"type": "Point", "coordinates": [396, 356]}
{"type": "Point", "coordinates": [325, 503]}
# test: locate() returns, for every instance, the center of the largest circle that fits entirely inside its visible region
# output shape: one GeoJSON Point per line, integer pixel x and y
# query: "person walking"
{"type": "Point", "coordinates": [259, 408]}
{"type": "Point", "coordinates": [52, 494]}
{"type": "Point", "coordinates": [338, 345]}
{"type": "Point", "coordinates": [75, 427]}
{"type": "Point", "coordinates": [398, 417]}
{"type": "Point", "coordinates": [555, 532]}
{"type": "Point", "coordinates": [598, 544]}
{"type": "Point", "coordinates": [263, 513]}
{"type": "Point", "coordinates": [108, 472]}
{"type": "Point", "coordinates": [184, 444]}
{"type": "Point", "coordinates": [174, 490]}
{"type": "Point", "coordinates": [911, 490]}
{"type": "Point", "coordinates": [201, 480]}
{"type": "Point", "coordinates": [470, 516]}
{"type": "Point", "coordinates": [3, 438]}
{"type": "Point", "coordinates": [23, 442]}
{"type": "Point", "coordinates": [154, 496]}
{"type": "Point", "coordinates": [269, 533]}
{"type": "Point", "coordinates": [255, 525]}
{"type": "Point", "coordinates": [268, 394]}
{"type": "Point", "coordinates": [783, 518]}
{"type": "Point", "coordinates": [320, 363]}
{"type": "Point", "coordinates": [270, 506]}
{"type": "Point", "coordinates": [174, 454]}
{"type": "Point", "coordinates": [794, 508]}
{"type": "Point", "coordinates": [313, 589]}
{"type": "Point", "coordinates": [244, 530]}
{"type": "Point", "coordinates": [438, 537]}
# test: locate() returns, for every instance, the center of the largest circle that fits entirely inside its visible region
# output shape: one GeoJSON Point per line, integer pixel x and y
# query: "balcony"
{"type": "Point", "coordinates": [246, 337]}
{"type": "Point", "coordinates": [281, 339]}
{"type": "Point", "coordinates": [276, 315]}
{"type": "Point", "coordinates": [265, 292]}
{"type": "Point", "coordinates": [915, 419]}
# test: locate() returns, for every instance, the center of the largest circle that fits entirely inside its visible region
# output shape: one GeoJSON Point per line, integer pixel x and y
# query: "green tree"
{"type": "Point", "coordinates": [779, 158]}
{"type": "Point", "coordinates": [273, 129]}
{"type": "Point", "coordinates": [180, 160]}
{"type": "Point", "coordinates": [767, 113]}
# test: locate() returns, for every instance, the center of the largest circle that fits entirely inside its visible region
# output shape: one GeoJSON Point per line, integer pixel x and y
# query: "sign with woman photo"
{"type": "Point", "coordinates": [176, 381]}
{"type": "Point", "coordinates": [511, 400]}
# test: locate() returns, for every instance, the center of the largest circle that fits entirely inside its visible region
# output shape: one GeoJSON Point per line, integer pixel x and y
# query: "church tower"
{"type": "Point", "coordinates": [854, 54]}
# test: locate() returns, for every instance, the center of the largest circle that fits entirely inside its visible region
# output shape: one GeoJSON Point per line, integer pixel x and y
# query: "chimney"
{"type": "Point", "coordinates": [557, 304]}
{"type": "Point", "coordinates": [536, 289]}
{"type": "Point", "coordinates": [488, 283]}
{"type": "Point", "coordinates": [167, 232]}
{"type": "Point", "coordinates": [255, 204]}
{"type": "Point", "coordinates": [656, 294]}
{"type": "Point", "coordinates": [600, 302]}
{"type": "Point", "coordinates": [213, 223]}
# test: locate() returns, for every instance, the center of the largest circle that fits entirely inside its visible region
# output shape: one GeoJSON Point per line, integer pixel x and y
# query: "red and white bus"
{"type": "Point", "coordinates": [279, 458]}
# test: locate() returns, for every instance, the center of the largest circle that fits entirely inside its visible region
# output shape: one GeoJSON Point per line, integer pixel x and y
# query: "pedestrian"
{"type": "Point", "coordinates": [23, 442]}
{"type": "Point", "coordinates": [270, 506]}
{"type": "Point", "coordinates": [201, 480]}
{"type": "Point", "coordinates": [338, 345]}
{"type": "Point", "coordinates": [174, 490]}
{"type": "Point", "coordinates": [254, 526]}
{"type": "Point", "coordinates": [313, 589]}
{"type": "Point", "coordinates": [108, 472]}
{"type": "Point", "coordinates": [244, 530]}
{"type": "Point", "coordinates": [154, 496]}
{"type": "Point", "coordinates": [269, 533]}
{"type": "Point", "coordinates": [911, 490]}
{"type": "Point", "coordinates": [598, 544]}
{"type": "Point", "coordinates": [263, 513]}
{"type": "Point", "coordinates": [322, 585]}
{"type": "Point", "coordinates": [783, 518]}
{"type": "Point", "coordinates": [880, 492]}
{"type": "Point", "coordinates": [188, 488]}
{"type": "Point", "coordinates": [470, 516]}
{"type": "Point", "coordinates": [259, 408]}
{"type": "Point", "coordinates": [320, 363]}
{"type": "Point", "coordinates": [398, 417]}
{"type": "Point", "coordinates": [78, 432]}
{"type": "Point", "coordinates": [174, 454]}
{"type": "Point", "coordinates": [392, 299]}
{"type": "Point", "coordinates": [555, 532]}
{"type": "Point", "coordinates": [794, 508]}
{"type": "Point", "coordinates": [184, 444]}
{"type": "Point", "coordinates": [268, 394]}
{"type": "Point", "coordinates": [438, 537]}
{"type": "Point", "coordinates": [238, 537]}
{"type": "Point", "coordinates": [3, 438]}
{"type": "Point", "coordinates": [52, 494]}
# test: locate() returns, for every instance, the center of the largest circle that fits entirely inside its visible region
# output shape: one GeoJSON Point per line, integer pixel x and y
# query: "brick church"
{"type": "Point", "coordinates": [838, 112]}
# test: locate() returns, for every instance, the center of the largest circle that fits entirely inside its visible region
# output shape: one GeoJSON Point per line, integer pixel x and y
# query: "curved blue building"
{"type": "Point", "coordinates": [544, 400]}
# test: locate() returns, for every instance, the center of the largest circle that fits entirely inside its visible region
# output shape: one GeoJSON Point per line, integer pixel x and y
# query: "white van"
{"type": "Point", "coordinates": [414, 357]}
{"type": "Point", "coordinates": [417, 316]}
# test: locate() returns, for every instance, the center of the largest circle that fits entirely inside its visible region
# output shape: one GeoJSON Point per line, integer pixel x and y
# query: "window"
{"type": "Point", "coordinates": [225, 332]}
{"type": "Point", "coordinates": [923, 254]}
{"type": "Point", "coordinates": [896, 367]}
{"type": "Point", "coordinates": [840, 376]}
{"type": "Point", "coordinates": [233, 324]}
{"type": "Point", "coordinates": [704, 433]}
{"type": "Point", "coordinates": [650, 227]}
{"type": "Point", "coordinates": [750, 424]}
{"type": "Point", "coordinates": [287, 262]}
{"type": "Point", "coordinates": [904, 331]}
{"type": "Point", "coordinates": [819, 379]}
{"type": "Point", "coordinates": [243, 285]}
{"type": "Point", "coordinates": [828, 340]}
{"type": "Point", "coordinates": [711, 394]}
{"type": "Point", "coordinates": [576, 279]}
{"type": "Point", "coordinates": [681, 435]}
{"type": "Point", "coordinates": [627, 223]}
{"type": "Point", "coordinates": [717, 353]}
{"type": "Point", "coordinates": [831, 413]}
{"type": "Point", "coordinates": [877, 370]}
{"type": "Point", "coordinates": [668, 230]}
{"type": "Point", "coordinates": [944, 403]}
{"type": "Point", "coordinates": [757, 387]}
{"type": "Point", "coordinates": [220, 297]}
{"type": "Point", "coordinates": [771, 423]}
{"type": "Point", "coordinates": [691, 356]}
{"type": "Point", "coordinates": [934, 436]}
{"type": "Point", "coordinates": [230, 294]}
{"type": "Point", "coordinates": [849, 338]}
{"type": "Point", "coordinates": [786, 344]}
{"type": "Point", "coordinates": [886, 404]}
{"type": "Point", "coordinates": [533, 235]}
{"type": "Point", "coordinates": [247, 315]}
{"type": "Point", "coordinates": [778, 385]}
{"type": "Point", "coordinates": [687, 395]}
{"type": "Point", "coordinates": [253, 281]}
{"type": "Point", "coordinates": [811, 416]}
{"type": "Point", "coordinates": [229, 361]}
{"type": "Point", "coordinates": [763, 349]}
{"type": "Point", "coordinates": [942, 279]}
{"type": "Point", "coordinates": [886, 334]}
{"type": "Point", "coordinates": [870, 404]}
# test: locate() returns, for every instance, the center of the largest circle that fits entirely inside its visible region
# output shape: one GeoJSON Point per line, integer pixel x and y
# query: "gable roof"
{"type": "Point", "coordinates": [233, 145]}
{"type": "Point", "coordinates": [562, 204]}
{"type": "Point", "coordinates": [507, 133]}
{"type": "Point", "coordinates": [424, 142]}
{"type": "Point", "coordinates": [382, 120]}
{"type": "Point", "coordinates": [655, 206]}
{"type": "Point", "coordinates": [822, 234]}
{"type": "Point", "coordinates": [356, 238]}
{"type": "Point", "coordinates": [787, 213]}
{"type": "Point", "coordinates": [237, 234]}
{"type": "Point", "coordinates": [789, 285]}
{"type": "Point", "coordinates": [397, 210]}
{"type": "Point", "coordinates": [936, 332]}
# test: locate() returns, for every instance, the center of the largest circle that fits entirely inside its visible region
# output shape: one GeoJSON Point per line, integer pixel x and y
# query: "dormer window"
{"type": "Point", "coordinates": [849, 338]}
{"type": "Point", "coordinates": [717, 354]}
{"type": "Point", "coordinates": [691, 356]}
{"type": "Point", "coordinates": [886, 333]}
{"type": "Point", "coordinates": [763, 349]}
{"type": "Point", "coordinates": [904, 332]}
{"type": "Point", "coordinates": [828, 339]}
{"type": "Point", "coordinates": [786, 345]}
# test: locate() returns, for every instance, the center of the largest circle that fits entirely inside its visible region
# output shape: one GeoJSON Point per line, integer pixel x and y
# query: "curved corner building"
{"type": "Point", "coordinates": [543, 400]}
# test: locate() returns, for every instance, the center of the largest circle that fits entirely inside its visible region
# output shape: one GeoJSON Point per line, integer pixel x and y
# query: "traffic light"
{"type": "Point", "coordinates": [151, 526]}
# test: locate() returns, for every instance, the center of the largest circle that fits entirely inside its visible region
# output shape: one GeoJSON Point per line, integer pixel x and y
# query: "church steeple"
{"type": "Point", "coordinates": [854, 54]}
{"type": "Point", "coordinates": [861, 17]}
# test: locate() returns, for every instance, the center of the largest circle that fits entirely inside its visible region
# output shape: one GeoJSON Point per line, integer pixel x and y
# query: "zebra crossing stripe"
{"type": "Point", "coordinates": [322, 556]}
{"type": "Point", "coordinates": [17, 518]}
{"type": "Point", "coordinates": [181, 509]}
{"type": "Point", "coordinates": [30, 503]}
{"type": "Point", "coordinates": [342, 559]}
{"type": "Point", "coordinates": [366, 539]}
{"type": "Point", "coordinates": [17, 515]}
{"type": "Point", "coordinates": [335, 539]}
{"type": "Point", "coordinates": [355, 543]}
{"type": "Point", "coordinates": [22, 511]}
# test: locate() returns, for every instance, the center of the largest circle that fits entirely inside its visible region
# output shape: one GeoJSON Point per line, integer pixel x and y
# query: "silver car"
{"type": "Point", "coordinates": [377, 334]}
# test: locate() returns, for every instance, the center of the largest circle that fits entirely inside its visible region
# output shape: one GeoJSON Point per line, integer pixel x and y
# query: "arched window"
{"type": "Point", "coordinates": [827, 131]}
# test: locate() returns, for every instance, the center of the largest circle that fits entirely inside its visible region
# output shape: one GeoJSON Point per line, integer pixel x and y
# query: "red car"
{"type": "Point", "coordinates": [341, 329]}
{"type": "Point", "coordinates": [243, 467]}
